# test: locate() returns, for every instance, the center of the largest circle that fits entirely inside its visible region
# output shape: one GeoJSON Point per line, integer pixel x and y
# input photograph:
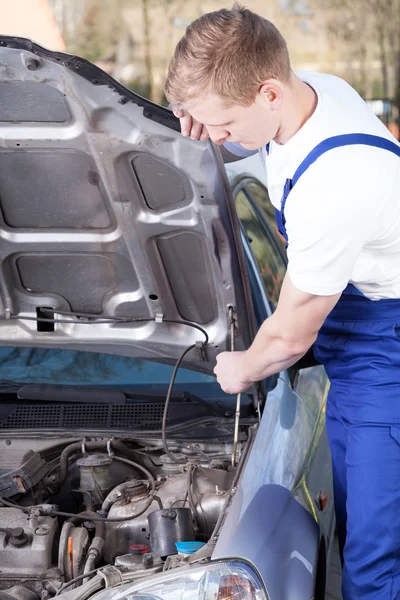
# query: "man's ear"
{"type": "Point", "coordinates": [271, 93]}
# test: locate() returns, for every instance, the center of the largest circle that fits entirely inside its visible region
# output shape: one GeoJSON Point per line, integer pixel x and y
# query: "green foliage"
{"type": "Point", "coordinates": [97, 34]}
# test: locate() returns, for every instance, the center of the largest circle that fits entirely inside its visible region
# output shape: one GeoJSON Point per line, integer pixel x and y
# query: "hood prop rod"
{"type": "Point", "coordinates": [239, 396]}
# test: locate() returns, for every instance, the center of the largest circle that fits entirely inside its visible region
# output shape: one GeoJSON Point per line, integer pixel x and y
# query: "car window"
{"type": "Point", "coordinates": [270, 263]}
{"type": "Point", "coordinates": [260, 196]}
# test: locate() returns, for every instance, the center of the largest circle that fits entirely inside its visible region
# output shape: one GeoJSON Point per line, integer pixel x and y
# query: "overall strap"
{"type": "Point", "coordinates": [336, 141]}
{"type": "Point", "coordinates": [349, 139]}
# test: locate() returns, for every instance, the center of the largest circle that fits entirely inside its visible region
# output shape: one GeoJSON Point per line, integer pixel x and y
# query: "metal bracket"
{"type": "Point", "coordinates": [109, 449]}
{"type": "Point", "coordinates": [111, 575]}
{"type": "Point", "coordinates": [233, 326]}
{"type": "Point", "coordinates": [201, 352]}
{"type": "Point", "coordinates": [232, 321]}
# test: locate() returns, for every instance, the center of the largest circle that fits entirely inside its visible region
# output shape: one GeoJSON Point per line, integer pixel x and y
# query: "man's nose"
{"type": "Point", "coordinates": [217, 135]}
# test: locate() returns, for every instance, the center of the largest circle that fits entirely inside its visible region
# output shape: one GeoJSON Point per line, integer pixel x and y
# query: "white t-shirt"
{"type": "Point", "coordinates": [343, 215]}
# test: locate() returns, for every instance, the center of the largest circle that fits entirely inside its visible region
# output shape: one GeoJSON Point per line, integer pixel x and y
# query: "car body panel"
{"type": "Point", "coordinates": [269, 510]}
{"type": "Point", "coordinates": [274, 520]}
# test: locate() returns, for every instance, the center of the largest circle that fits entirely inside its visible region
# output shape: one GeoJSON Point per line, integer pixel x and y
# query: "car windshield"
{"type": "Point", "coordinates": [68, 367]}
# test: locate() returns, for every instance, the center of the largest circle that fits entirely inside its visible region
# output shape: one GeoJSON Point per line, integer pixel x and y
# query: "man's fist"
{"type": "Point", "coordinates": [229, 372]}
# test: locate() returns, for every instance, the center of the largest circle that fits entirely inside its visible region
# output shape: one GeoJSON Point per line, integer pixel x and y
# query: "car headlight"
{"type": "Point", "coordinates": [215, 581]}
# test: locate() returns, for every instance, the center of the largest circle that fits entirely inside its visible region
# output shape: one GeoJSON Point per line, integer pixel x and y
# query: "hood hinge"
{"type": "Point", "coordinates": [201, 352]}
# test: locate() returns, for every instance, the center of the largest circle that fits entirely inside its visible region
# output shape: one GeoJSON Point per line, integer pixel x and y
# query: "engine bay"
{"type": "Point", "coordinates": [68, 509]}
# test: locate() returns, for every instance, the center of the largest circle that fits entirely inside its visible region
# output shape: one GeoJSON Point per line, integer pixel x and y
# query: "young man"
{"type": "Point", "coordinates": [333, 174]}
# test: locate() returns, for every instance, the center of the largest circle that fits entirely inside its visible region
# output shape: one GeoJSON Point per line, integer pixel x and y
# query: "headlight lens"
{"type": "Point", "coordinates": [216, 581]}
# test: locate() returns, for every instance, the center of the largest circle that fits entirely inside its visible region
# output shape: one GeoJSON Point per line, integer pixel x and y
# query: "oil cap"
{"type": "Point", "coordinates": [138, 549]}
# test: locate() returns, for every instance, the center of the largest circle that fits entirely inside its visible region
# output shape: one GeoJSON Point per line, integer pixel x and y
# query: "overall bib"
{"type": "Point", "coordinates": [359, 346]}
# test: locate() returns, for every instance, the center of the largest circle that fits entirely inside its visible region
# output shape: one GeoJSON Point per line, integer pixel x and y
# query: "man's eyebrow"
{"type": "Point", "coordinates": [217, 125]}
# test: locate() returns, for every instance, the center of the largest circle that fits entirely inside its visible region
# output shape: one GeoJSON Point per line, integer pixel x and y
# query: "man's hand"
{"type": "Point", "coordinates": [189, 126]}
{"type": "Point", "coordinates": [281, 341]}
{"type": "Point", "coordinates": [198, 131]}
{"type": "Point", "coordinates": [228, 371]}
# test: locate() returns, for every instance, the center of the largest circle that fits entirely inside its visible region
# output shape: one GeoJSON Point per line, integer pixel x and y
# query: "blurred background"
{"type": "Point", "coordinates": [133, 40]}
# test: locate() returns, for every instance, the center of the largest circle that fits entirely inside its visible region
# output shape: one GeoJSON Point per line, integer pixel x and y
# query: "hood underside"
{"type": "Point", "coordinates": [106, 209]}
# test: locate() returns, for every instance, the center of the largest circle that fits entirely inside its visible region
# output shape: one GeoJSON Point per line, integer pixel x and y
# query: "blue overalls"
{"type": "Point", "coordinates": [359, 345]}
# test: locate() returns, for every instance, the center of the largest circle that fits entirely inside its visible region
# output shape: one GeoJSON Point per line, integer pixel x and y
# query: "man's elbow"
{"type": "Point", "coordinates": [295, 346]}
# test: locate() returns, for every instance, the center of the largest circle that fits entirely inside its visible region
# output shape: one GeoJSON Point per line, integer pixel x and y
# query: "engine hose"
{"type": "Point", "coordinates": [116, 494]}
{"type": "Point", "coordinates": [5, 502]}
{"type": "Point", "coordinates": [89, 566]}
{"type": "Point", "coordinates": [57, 513]}
{"type": "Point", "coordinates": [113, 496]}
{"type": "Point", "coordinates": [83, 516]}
{"type": "Point", "coordinates": [151, 499]}
{"type": "Point", "coordinates": [166, 405]}
{"type": "Point", "coordinates": [116, 445]}
{"type": "Point", "coordinates": [79, 578]}
{"type": "Point", "coordinates": [137, 466]}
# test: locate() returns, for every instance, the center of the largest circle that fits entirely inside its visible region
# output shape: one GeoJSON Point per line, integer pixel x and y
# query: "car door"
{"type": "Point", "coordinates": [309, 383]}
{"type": "Point", "coordinates": [275, 520]}
{"type": "Point", "coordinates": [288, 412]}
{"type": "Point", "coordinates": [302, 392]}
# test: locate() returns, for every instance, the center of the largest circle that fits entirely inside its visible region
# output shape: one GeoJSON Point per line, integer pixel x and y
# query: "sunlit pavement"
{"type": "Point", "coordinates": [334, 585]}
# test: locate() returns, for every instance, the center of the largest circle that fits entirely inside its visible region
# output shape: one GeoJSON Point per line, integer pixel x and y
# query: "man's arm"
{"type": "Point", "coordinates": [281, 341]}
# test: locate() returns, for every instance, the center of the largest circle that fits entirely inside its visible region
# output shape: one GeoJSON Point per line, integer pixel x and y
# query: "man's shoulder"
{"type": "Point", "coordinates": [341, 110]}
{"type": "Point", "coordinates": [338, 176]}
{"type": "Point", "coordinates": [323, 78]}
{"type": "Point", "coordinates": [331, 90]}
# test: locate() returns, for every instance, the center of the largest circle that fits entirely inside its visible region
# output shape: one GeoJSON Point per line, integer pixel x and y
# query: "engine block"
{"type": "Point", "coordinates": [27, 549]}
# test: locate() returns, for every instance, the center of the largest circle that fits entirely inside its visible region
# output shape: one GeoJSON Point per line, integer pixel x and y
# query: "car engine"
{"type": "Point", "coordinates": [70, 509]}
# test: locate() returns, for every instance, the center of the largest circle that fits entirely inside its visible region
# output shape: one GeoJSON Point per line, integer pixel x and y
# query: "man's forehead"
{"type": "Point", "coordinates": [210, 109]}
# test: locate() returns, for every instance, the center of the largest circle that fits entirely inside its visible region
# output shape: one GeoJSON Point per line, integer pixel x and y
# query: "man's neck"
{"type": "Point", "coordinates": [300, 102]}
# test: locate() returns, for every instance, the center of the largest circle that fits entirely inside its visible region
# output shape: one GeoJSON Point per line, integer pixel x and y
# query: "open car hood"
{"type": "Point", "coordinates": [107, 210]}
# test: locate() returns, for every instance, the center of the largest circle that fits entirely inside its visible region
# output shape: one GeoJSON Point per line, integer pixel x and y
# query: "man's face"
{"type": "Point", "coordinates": [252, 126]}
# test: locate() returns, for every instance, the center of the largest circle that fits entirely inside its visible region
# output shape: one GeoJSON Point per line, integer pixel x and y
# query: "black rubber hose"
{"type": "Point", "coordinates": [140, 468]}
{"type": "Point", "coordinates": [76, 579]}
{"type": "Point", "coordinates": [24, 509]}
{"type": "Point", "coordinates": [166, 406]}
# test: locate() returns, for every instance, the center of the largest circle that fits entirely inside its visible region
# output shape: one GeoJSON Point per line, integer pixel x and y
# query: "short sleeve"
{"type": "Point", "coordinates": [238, 150]}
{"type": "Point", "coordinates": [331, 213]}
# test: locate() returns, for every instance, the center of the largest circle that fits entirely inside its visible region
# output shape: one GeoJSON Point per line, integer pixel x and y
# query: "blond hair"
{"type": "Point", "coordinates": [228, 53]}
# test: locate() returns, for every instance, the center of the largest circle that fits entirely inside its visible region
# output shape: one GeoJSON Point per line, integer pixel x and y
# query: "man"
{"type": "Point", "coordinates": [333, 174]}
